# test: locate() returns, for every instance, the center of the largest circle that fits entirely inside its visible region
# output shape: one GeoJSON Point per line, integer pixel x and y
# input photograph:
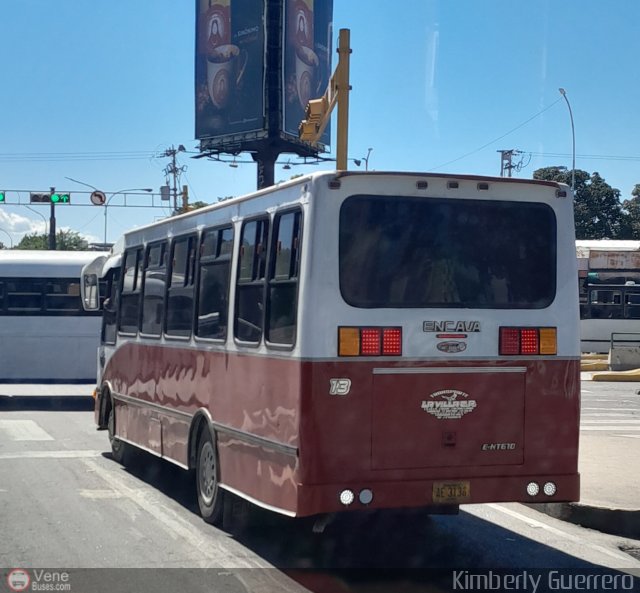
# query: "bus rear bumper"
{"type": "Point", "coordinates": [353, 496]}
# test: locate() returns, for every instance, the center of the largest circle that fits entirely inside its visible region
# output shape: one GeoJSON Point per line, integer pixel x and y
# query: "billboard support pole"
{"type": "Point", "coordinates": [266, 161]}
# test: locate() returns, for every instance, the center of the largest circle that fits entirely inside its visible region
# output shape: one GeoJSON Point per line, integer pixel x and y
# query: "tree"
{"type": "Point", "coordinates": [597, 209]}
{"type": "Point", "coordinates": [65, 241]}
{"type": "Point", "coordinates": [632, 208]}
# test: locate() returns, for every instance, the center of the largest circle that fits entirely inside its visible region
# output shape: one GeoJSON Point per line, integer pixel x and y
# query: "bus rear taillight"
{"type": "Point", "coordinates": [369, 341]}
{"type": "Point", "coordinates": [516, 341]}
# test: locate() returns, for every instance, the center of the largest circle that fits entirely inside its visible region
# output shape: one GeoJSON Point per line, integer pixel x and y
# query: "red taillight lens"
{"type": "Point", "coordinates": [509, 340]}
{"type": "Point", "coordinates": [370, 341]}
{"type": "Point", "coordinates": [528, 340]}
{"type": "Point", "coordinates": [392, 341]}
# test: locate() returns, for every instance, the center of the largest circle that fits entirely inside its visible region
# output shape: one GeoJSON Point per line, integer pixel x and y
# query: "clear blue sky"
{"type": "Point", "coordinates": [92, 90]}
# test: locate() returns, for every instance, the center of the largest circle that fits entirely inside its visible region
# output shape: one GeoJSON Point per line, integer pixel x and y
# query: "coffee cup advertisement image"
{"type": "Point", "coordinates": [307, 58]}
{"type": "Point", "coordinates": [229, 73]}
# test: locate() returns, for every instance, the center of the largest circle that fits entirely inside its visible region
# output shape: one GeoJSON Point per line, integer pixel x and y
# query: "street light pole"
{"type": "Point", "coordinates": [122, 191]}
{"type": "Point", "coordinates": [8, 235]}
{"type": "Point", "coordinates": [573, 138]}
{"type": "Point", "coordinates": [366, 159]}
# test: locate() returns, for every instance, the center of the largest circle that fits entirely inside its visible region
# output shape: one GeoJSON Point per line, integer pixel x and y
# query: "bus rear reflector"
{"type": "Point", "coordinates": [528, 340]}
{"type": "Point", "coordinates": [369, 341]}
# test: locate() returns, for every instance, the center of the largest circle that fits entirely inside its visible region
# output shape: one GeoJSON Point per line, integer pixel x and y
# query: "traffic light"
{"type": "Point", "coordinates": [58, 198]}
{"type": "Point", "coordinates": [316, 113]}
{"type": "Point", "coordinates": [48, 198]}
{"type": "Point", "coordinates": [37, 198]}
{"type": "Point", "coordinates": [2, 197]}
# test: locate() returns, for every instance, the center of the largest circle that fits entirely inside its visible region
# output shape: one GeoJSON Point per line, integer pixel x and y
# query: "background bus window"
{"type": "Point", "coordinates": [213, 289]}
{"type": "Point", "coordinates": [251, 279]}
{"type": "Point", "coordinates": [153, 289]}
{"type": "Point", "coordinates": [606, 304]}
{"type": "Point", "coordinates": [283, 280]}
{"type": "Point", "coordinates": [181, 288]}
{"type": "Point", "coordinates": [63, 296]}
{"type": "Point", "coordinates": [23, 295]}
{"type": "Point", "coordinates": [130, 297]}
{"type": "Point", "coordinates": [632, 305]}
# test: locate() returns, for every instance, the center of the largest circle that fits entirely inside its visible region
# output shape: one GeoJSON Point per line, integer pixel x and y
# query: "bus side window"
{"type": "Point", "coordinates": [130, 297]}
{"type": "Point", "coordinates": [153, 288]}
{"type": "Point", "coordinates": [180, 295]}
{"type": "Point", "coordinates": [213, 289]}
{"type": "Point", "coordinates": [249, 321]}
{"type": "Point", "coordinates": [111, 307]}
{"type": "Point", "coordinates": [283, 279]}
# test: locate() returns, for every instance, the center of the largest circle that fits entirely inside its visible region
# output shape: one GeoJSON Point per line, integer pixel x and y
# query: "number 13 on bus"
{"type": "Point", "coordinates": [350, 341]}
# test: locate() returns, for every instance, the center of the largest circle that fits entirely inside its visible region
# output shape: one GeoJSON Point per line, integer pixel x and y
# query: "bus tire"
{"type": "Point", "coordinates": [118, 447]}
{"type": "Point", "coordinates": [210, 495]}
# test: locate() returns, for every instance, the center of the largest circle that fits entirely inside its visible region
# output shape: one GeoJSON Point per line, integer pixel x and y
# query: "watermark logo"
{"type": "Point", "coordinates": [18, 580]}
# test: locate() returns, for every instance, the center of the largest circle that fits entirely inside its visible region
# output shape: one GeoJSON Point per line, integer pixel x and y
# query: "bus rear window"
{"type": "Point", "coordinates": [398, 252]}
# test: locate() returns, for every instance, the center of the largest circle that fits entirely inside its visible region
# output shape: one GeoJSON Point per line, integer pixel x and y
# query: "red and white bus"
{"type": "Point", "coordinates": [352, 341]}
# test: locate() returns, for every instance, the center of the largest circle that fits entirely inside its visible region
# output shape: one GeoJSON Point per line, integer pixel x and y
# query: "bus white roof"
{"type": "Point", "coordinates": [40, 263]}
{"type": "Point", "coordinates": [585, 246]}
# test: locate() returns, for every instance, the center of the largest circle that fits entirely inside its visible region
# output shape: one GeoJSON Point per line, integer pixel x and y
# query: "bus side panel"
{"type": "Point", "coordinates": [253, 402]}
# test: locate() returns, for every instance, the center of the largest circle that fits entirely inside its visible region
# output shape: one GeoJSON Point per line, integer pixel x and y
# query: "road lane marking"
{"type": "Point", "coordinates": [98, 494]}
{"type": "Point", "coordinates": [564, 534]}
{"type": "Point", "coordinates": [24, 430]}
{"type": "Point", "coordinates": [607, 427]}
{"type": "Point", "coordinates": [224, 552]}
{"type": "Point", "coordinates": [50, 454]}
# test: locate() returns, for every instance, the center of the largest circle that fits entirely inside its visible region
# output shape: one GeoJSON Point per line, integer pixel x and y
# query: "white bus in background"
{"type": "Point", "coordinates": [609, 277]}
{"type": "Point", "coordinates": [45, 333]}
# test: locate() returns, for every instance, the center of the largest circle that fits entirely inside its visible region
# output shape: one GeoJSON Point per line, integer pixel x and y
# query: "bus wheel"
{"type": "Point", "coordinates": [210, 495]}
{"type": "Point", "coordinates": [118, 448]}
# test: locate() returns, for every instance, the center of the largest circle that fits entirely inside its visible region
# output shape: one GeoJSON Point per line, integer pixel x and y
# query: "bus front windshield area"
{"type": "Point", "coordinates": [400, 252]}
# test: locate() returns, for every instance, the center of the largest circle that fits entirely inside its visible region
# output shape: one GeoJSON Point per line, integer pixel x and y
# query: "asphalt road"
{"type": "Point", "coordinates": [66, 505]}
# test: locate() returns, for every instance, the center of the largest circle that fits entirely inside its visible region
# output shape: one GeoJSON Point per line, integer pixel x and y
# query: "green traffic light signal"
{"type": "Point", "coordinates": [62, 198]}
{"type": "Point", "coordinates": [2, 197]}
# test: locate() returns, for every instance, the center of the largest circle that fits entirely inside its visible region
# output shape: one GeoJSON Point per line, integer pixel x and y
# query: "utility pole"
{"type": "Point", "coordinates": [506, 162]}
{"type": "Point", "coordinates": [174, 170]}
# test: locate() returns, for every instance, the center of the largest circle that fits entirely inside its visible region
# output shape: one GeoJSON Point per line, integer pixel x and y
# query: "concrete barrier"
{"type": "Point", "coordinates": [624, 353]}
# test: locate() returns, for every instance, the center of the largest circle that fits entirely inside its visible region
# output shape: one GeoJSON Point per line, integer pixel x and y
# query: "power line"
{"type": "Point", "coordinates": [498, 138]}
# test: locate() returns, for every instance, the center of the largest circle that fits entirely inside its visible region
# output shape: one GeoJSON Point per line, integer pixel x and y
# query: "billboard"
{"type": "Point", "coordinates": [306, 56]}
{"type": "Point", "coordinates": [230, 68]}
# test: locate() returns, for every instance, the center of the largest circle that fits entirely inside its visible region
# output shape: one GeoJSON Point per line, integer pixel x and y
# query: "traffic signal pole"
{"type": "Point", "coordinates": [318, 111]}
{"type": "Point", "coordinates": [52, 223]}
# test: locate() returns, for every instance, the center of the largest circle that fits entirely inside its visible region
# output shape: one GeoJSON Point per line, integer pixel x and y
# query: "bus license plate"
{"type": "Point", "coordinates": [451, 492]}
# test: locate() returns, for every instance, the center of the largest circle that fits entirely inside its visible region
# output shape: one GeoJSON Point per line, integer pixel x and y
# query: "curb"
{"type": "Point", "coordinates": [619, 522]}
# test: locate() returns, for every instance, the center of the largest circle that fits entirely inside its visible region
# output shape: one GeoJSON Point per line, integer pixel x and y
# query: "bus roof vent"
{"type": "Point", "coordinates": [334, 184]}
{"type": "Point", "coordinates": [453, 185]}
{"type": "Point", "coordinates": [422, 184]}
{"type": "Point", "coordinates": [483, 185]}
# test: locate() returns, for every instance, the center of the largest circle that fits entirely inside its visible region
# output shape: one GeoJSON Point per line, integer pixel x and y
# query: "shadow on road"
{"type": "Point", "coordinates": [9, 403]}
{"type": "Point", "coordinates": [406, 550]}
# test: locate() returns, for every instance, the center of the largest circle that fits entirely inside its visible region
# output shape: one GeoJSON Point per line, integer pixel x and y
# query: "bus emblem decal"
{"type": "Point", "coordinates": [451, 326]}
{"type": "Point", "coordinates": [451, 347]}
{"type": "Point", "coordinates": [339, 386]}
{"type": "Point", "coordinates": [449, 404]}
